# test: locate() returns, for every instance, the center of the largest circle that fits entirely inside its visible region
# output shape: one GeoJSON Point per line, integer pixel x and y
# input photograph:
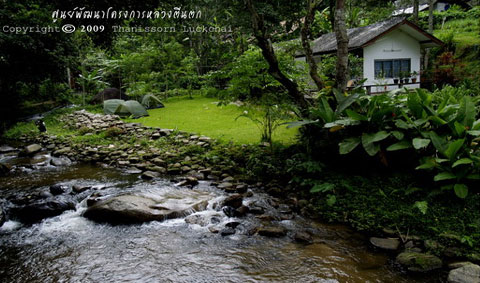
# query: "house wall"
{"type": "Point", "coordinates": [395, 45]}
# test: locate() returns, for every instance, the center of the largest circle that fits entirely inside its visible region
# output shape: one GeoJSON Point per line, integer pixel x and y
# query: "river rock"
{"type": "Point", "coordinates": [40, 210]}
{"type": "Point", "coordinates": [6, 149]}
{"type": "Point", "coordinates": [229, 211]}
{"type": "Point", "coordinates": [227, 231]}
{"type": "Point", "coordinates": [148, 175]}
{"type": "Point", "coordinates": [80, 188]}
{"type": "Point", "coordinates": [272, 231]}
{"type": "Point", "coordinates": [4, 168]}
{"type": "Point", "coordinates": [58, 189]}
{"type": "Point", "coordinates": [225, 185]}
{"type": "Point", "coordinates": [390, 244]}
{"type": "Point", "coordinates": [62, 151]}
{"type": "Point", "coordinates": [2, 217]}
{"type": "Point", "coordinates": [126, 209]}
{"type": "Point", "coordinates": [234, 201]}
{"type": "Point", "coordinates": [303, 237]}
{"type": "Point", "coordinates": [62, 161]}
{"type": "Point", "coordinates": [419, 262]}
{"type": "Point", "coordinates": [469, 273]}
{"type": "Point", "coordinates": [31, 149]}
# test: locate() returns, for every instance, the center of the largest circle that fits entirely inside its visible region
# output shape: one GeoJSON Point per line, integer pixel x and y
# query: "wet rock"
{"type": "Point", "coordinates": [456, 265]}
{"type": "Point", "coordinates": [225, 185]}
{"type": "Point", "coordinates": [241, 189]}
{"type": "Point", "coordinates": [148, 175]}
{"type": "Point", "coordinates": [390, 244]}
{"type": "Point", "coordinates": [2, 217]}
{"type": "Point", "coordinates": [229, 211]}
{"type": "Point", "coordinates": [214, 229]}
{"type": "Point", "coordinates": [228, 179]}
{"type": "Point", "coordinates": [62, 161]}
{"type": "Point", "coordinates": [4, 168]}
{"type": "Point", "coordinates": [31, 149]}
{"type": "Point", "coordinates": [125, 209]}
{"type": "Point", "coordinates": [419, 262]}
{"type": "Point", "coordinates": [256, 210]}
{"type": "Point", "coordinates": [227, 231]}
{"type": "Point", "coordinates": [272, 231]}
{"type": "Point", "coordinates": [40, 210]}
{"type": "Point", "coordinates": [469, 273]}
{"type": "Point", "coordinates": [199, 219]}
{"type": "Point", "coordinates": [58, 189]}
{"type": "Point", "coordinates": [63, 151]}
{"type": "Point", "coordinates": [6, 149]}
{"type": "Point", "coordinates": [133, 171]}
{"type": "Point", "coordinates": [303, 237]}
{"type": "Point", "coordinates": [45, 195]}
{"type": "Point", "coordinates": [241, 211]}
{"type": "Point", "coordinates": [232, 224]}
{"type": "Point", "coordinates": [80, 188]}
{"type": "Point", "coordinates": [234, 201]}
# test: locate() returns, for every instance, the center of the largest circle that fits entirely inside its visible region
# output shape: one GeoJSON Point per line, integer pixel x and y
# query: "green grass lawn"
{"type": "Point", "coordinates": [201, 115]}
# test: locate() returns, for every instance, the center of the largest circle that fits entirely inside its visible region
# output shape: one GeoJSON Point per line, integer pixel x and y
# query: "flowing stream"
{"type": "Point", "coordinates": [71, 248]}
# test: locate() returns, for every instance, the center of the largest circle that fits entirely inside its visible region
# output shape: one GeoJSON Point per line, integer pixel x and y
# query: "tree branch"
{"type": "Point", "coordinates": [305, 33]}
{"type": "Point", "coordinates": [266, 46]}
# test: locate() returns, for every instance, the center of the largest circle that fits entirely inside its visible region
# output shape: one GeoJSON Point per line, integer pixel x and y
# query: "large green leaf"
{"type": "Point", "coordinates": [371, 148]}
{"type": "Point", "coordinates": [300, 123]}
{"type": "Point", "coordinates": [398, 135]}
{"type": "Point", "coordinates": [402, 124]}
{"type": "Point", "coordinates": [438, 142]}
{"type": "Point", "coordinates": [444, 176]}
{"type": "Point", "coordinates": [453, 148]}
{"type": "Point", "coordinates": [461, 190]}
{"type": "Point", "coordinates": [415, 105]}
{"type": "Point", "coordinates": [422, 206]}
{"type": "Point", "coordinates": [347, 102]}
{"type": "Point", "coordinates": [419, 143]}
{"type": "Point", "coordinates": [325, 111]}
{"type": "Point", "coordinates": [459, 128]}
{"type": "Point", "coordinates": [470, 112]}
{"type": "Point", "coordinates": [399, 145]}
{"type": "Point", "coordinates": [354, 115]}
{"type": "Point", "coordinates": [427, 164]}
{"type": "Point", "coordinates": [462, 161]}
{"type": "Point", "coordinates": [348, 145]}
{"type": "Point", "coordinates": [376, 137]}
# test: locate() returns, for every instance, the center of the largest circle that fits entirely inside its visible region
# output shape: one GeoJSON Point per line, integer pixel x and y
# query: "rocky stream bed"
{"type": "Point", "coordinates": [125, 212]}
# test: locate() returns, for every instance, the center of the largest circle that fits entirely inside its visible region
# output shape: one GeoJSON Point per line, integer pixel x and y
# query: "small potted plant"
{"type": "Point", "coordinates": [406, 76]}
{"type": "Point", "coordinates": [414, 76]}
{"type": "Point", "coordinates": [401, 76]}
{"type": "Point", "coordinates": [395, 81]}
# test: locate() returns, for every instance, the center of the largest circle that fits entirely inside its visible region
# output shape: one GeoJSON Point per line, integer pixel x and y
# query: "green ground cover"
{"type": "Point", "coordinates": [203, 116]}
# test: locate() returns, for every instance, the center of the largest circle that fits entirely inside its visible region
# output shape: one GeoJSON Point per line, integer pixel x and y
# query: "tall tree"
{"type": "Point", "coordinates": [415, 11]}
{"type": "Point", "coordinates": [305, 34]}
{"type": "Point", "coordinates": [430, 30]}
{"type": "Point", "coordinates": [265, 44]}
{"type": "Point", "coordinates": [341, 77]}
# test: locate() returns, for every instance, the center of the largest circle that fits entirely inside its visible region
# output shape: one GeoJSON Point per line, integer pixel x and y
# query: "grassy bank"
{"type": "Point", "coordinates": [203, 116]}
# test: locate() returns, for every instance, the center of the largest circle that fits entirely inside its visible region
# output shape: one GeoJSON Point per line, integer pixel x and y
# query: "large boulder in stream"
{"type": "Point", "coordinates": [31, 149]}
{"type": "Point", "coordinates": [129, 208]}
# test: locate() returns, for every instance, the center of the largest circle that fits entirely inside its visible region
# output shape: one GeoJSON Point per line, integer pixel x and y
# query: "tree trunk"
{"type": "Point", "coordinates": [341, 77]}
{"type": "Point", "coordinates": [305, 33]}
{"type": "Point", "coordinates": [430, 30]}
{"type": "Point", "coordinates": [268, 53]}
{"type": "Point", "coordinates": [415, 11]}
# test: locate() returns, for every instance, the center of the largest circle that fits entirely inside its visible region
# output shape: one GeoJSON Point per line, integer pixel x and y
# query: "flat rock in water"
{"type": "Point", "coordinates": [6, 148]}
{"type": "Point", "coordinates": [303, 237]}
{"type": "Point", "coordinates": [272, 231]}
{"type": "Point", "coordinates": [126, 209]}
{"type": "Point", "coordinates": [234, 201]}
{"type": "Point", "coordinates": [469, 273]}
{"type": "Point", "coordinates": [390, 244]}
{"type": "Point", "coordinates": [31, 149]}
{"type": "Point", "coordinates": [419, 262]}
{"type": "Point", "coordinates": [148, 175]}
{"type": "Point", "coordinates": [62, 161]}
{"type": "Point", "coordinates": [40, 210]}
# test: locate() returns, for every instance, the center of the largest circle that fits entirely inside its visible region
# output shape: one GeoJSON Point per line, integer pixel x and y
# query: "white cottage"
{"type": "Point", "coordinates": [390, 49]}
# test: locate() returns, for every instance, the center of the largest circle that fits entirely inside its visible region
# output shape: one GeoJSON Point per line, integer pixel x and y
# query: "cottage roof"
{"type": "Point", "coordinates": [364, 36]}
